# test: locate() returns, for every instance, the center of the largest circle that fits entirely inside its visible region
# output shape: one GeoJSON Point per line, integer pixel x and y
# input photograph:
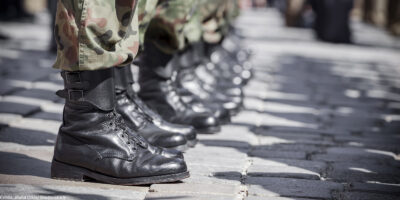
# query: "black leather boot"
{"type": "Point", "coordinates": [188, 61]}
{"type": "Point", "coordinates": [227, 66]}
{"type": "Point", "coordinates": [158, 90]}
{"type": "Point", "coordinates": [210, 89]}
{"type": "Point", "coordinates": [210, 75]}
{"type": "Point", "coordinates": [94, 142]}
{"type": "Point", "coordinates": [186, 130]}
{"type": "Point", "coordinates": [136, 118]}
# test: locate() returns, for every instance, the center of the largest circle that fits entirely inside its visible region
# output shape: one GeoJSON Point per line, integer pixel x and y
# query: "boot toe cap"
{"type": "Point", "coordinates": [206, 124]}
{"type": "Point", "coordinates": [172, 153]}
{"type": "Point", "coordinates": [174, 166]}
{"type": "Point", "coordinates": [170, 140]}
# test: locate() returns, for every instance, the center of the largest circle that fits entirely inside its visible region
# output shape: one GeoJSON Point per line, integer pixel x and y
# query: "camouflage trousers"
{"type": "Point", "coordinates": [216, 17]}
{"type": "Point", "coordinates": [98, 34]}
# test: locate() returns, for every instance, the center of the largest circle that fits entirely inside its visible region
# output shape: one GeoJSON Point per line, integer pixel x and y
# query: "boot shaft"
{"type": "Point", "coordinates": [89, 88]}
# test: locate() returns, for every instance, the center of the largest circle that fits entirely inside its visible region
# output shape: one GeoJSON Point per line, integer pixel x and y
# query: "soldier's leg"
{"type": "Point", "coordinates": [164, 40]}
{"type": "Point", "coordinates": [135, 113]}
{"type": "Point", "coordinates": [93, 142]}
{"type": "Point", "coordinates": [232, 58]}
{"type": "Point", "coordinates": [189, 59]}
{"type": "Point", "coordinates": [96, 34]}
{"type": "Point", "coordinates": [223, 99]}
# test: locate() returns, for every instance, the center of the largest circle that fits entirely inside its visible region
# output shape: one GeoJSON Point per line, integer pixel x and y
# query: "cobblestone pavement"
{"type": "Point", "coordinates": [321, 121]}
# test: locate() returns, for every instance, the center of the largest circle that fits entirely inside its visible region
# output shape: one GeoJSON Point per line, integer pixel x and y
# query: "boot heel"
{"type": "Point", "coordinates": [66, 172]}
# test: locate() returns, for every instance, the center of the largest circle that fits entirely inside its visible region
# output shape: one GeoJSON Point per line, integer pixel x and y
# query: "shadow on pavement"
{"type": "Point", "coordinates": [20, 164]}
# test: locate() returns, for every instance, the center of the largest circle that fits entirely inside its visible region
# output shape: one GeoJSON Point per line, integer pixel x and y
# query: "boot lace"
{"type": "Point", "coordinates": [133, 140]}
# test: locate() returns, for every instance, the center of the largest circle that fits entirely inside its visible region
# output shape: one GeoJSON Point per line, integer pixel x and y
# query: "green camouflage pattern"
{"type": "Point", "coordinates": [146, 9]}
{"type": "Point", "coordinates": [193, 30]}
{"type": "Point", "coordinates": [96, 34]}
{"type": "Point", "coordinates": [211, 14]}
{"type": "Point", "coordinates": [217, 16]}
{"type": "Point", "coordinates": [166, 28]}
{"type": "Point", "coordinates": [233, 10]}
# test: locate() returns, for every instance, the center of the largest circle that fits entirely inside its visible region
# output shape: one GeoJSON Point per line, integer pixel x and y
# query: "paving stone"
{"type": "Point", "coordinates": [6, 118]}
{"type": "Point", "coordinates": [9, 86]}
{"type": "Point", "coordinates": [230, 136]}
{"type": "Point", "coordinates": [183, 196]}
{"type": "Point", "coordinates": [298, 130]}
{"type": "Point", "coordinates": [45, 105]}
{"type": "Point", "coordinates": [272, 120]}
{"type": "Point", "coordinates": [273, 198]}
{"type": "Point", "coordinates": [315, 166]}
{"type": "Point", "coordinates": [254, 104]}
{"type": "Point", "coordinates": [278, 154]}
{"type": "Point", "coordinates": [388, 143]}
{"type": "Point", "coordinates": [48, 116]}
{"type": "Point", "coordinates": [216, 180]}
{"type": "Point", "coordinates": [38, 181]}
{"type": "Point", "coordinates": [349, 154]}
{"type": "Point", "coordinates": [393, 189]}
{"type": "Point", "coordinates": [49, 126]}
{"type": "Point", "coordinates": [209, 154]}
{"type": "Point", "coordinates": [20, 164]}
{"type": "Point", "coordinates": [274, 144]}
{"type": "Point", "coordinates": [191, 188]}
{"type": "Point", "coordinates": [202, 159]}
{"type": "Point", "coordinates": [249, 118]}
{"type": "Point", "coordinates": [17, 108]}
{"type": "Point", "coordinates": [273, 187]}
{"type": "Point", "coordinates": [360, 172]}
{"type": "Point", "coordinates": [38, 94]}
{"type": "Point", "coordinates": [27, 137]}
{"type": "Point", "coordinates": [391, 128]}
{"type": "Point", "coordinates": [366, 196]}
{"type": "Point", "coordinates": [66, 192]}
{"type": "Point", "coordinates": [25, 73]}
{"type": "Point", "coordinates": [215, 170]}
{"type": "Point", "coordinates": [299, 139]}
{"type": "Point", "coordinates": [281, 171]}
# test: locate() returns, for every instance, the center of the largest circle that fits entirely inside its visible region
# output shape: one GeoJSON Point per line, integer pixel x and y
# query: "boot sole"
{"type": "Point", "coordinates": [182, 148]}
{"type": "Point", "coordinates": [63, 171]}
{"type": "Point", "coordinates": [209, 130]}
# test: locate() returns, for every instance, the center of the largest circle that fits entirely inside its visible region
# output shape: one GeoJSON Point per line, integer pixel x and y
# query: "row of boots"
{"type": "Point", "coordinates": [114, 134]}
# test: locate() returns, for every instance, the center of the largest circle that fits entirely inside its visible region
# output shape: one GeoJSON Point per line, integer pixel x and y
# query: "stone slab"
{"type": "Point", "coordinates": [273, 187]}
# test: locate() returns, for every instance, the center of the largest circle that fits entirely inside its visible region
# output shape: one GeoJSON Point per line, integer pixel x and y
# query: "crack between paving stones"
{"type": "Point", "coordinates": [244, 190]}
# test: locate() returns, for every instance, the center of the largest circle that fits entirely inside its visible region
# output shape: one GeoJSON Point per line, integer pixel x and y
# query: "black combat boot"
{"type": "Point", "coordinates": [228, 65]}
{"type": "Point", "coordinates": [186, 130]}
{"type": "Point", "coordinates": [188, 61]}
{"type": "Point", "coordinates": [95, 143]}
{"type": "Point", "coordinates": [136, 118]}
{"type": "Point", "coordinates": [158, 91]}
{"type": "Point", "coordinates": [208, 86]}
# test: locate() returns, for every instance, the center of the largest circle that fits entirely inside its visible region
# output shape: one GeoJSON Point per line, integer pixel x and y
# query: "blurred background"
{"type": "Point", "coordinates": [330, 19]}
